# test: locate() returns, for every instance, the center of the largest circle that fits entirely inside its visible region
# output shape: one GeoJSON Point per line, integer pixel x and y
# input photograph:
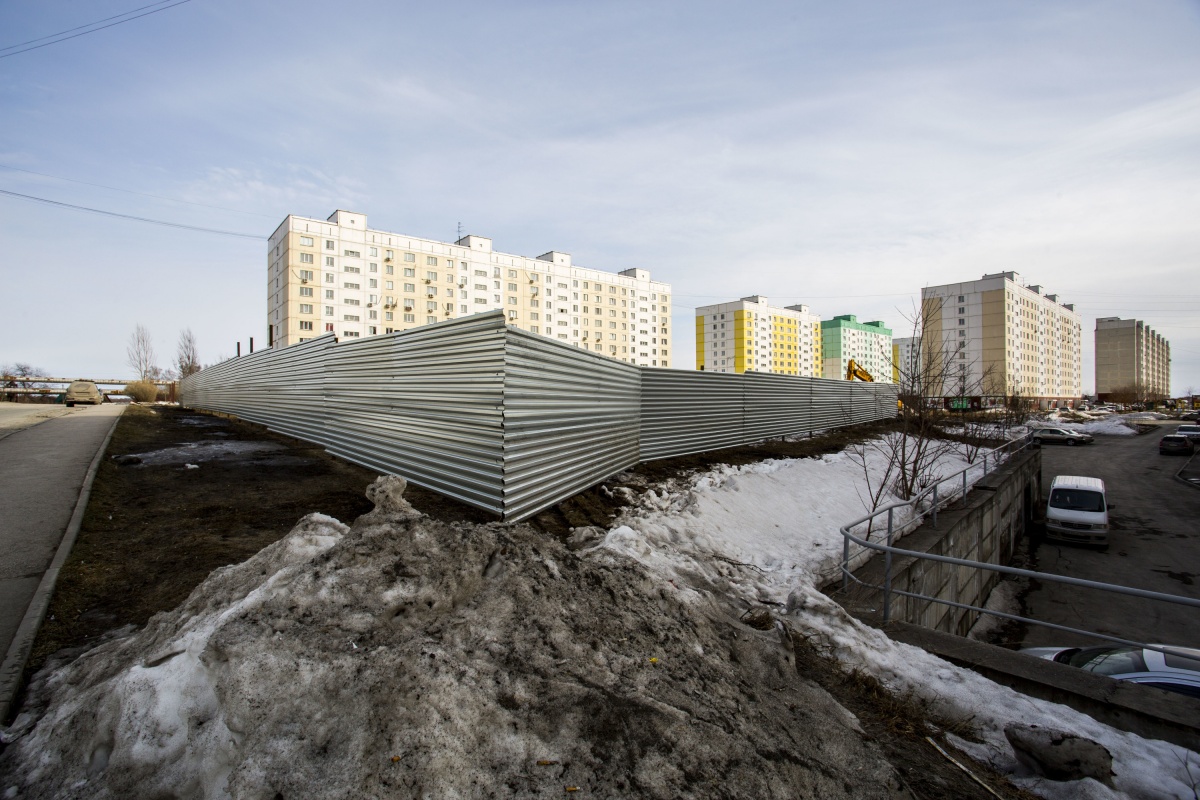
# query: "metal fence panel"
{"type": "Point", "coordinates": [570, 421]}
{"type": "Point", "coordinates": [689, 412]}
{"type": "Point", "coordinates": [776, 405]}
{"type": "Point", "coordinates": [281, 389]}
{"type": "Point", "coordinates": [426, 404]}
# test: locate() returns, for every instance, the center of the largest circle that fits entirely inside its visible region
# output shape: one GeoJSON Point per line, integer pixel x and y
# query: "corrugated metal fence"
{"type": "Point", "coordinates": [510, 421]}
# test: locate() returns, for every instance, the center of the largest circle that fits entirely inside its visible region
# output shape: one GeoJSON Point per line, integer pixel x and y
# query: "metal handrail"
{"type": "Point", "coordinates": [1013, 447]}
{"type": "Point", "coordinates": [889, 551]}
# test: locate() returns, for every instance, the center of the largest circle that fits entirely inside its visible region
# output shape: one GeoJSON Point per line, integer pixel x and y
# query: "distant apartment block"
{"type": "Point", "coordinates": [906, 359]}
{"type": "Point", "coordinates": [868, 343]}
{"type": "Point", "coordinates": [339, 276]}
{"type": "Point", "coordinates": [751, 335]}
{"type": "Point", "coordinates": [997, 336]}
{"type": "Point", "coordinates": [1131, 356]}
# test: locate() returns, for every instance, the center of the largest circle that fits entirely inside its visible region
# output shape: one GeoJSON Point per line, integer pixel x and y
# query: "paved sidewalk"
{"type": "Point", "coordinates": [42, 470]}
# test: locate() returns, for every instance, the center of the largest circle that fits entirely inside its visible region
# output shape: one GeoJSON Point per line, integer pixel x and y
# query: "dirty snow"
{"type": "Point", "coordinates": [194, 452]}
{"type": "Point", "coordinates": [403, 656]}
{"type": "Point", "coordinates": [408, 658]}
{"type": "Point", "coordinates": [782, 518]}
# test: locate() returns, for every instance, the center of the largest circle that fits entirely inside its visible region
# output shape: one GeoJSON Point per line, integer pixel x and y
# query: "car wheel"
{"type": "Point", "coordinates": [1070, 442]}
{"type": "Point", "coordinates": [69, 405]}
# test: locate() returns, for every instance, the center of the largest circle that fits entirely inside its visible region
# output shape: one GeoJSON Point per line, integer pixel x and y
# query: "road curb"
{"type": "Point", "coordinates": [22, 643]}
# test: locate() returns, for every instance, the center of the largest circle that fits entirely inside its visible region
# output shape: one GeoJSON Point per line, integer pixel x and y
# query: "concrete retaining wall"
{"type": "Point", "coordinates": [997, 514]}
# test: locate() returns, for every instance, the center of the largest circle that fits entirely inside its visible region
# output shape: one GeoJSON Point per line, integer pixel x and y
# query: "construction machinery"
{"type": "Point", "coordinates": [853, 370]}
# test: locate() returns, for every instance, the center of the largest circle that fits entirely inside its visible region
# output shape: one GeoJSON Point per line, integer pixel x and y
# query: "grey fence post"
{"type": "Point", "coordinates": [887, 573]}
{"type": "Point", "coordinates": [845, 561]}
{"type": "Point", "coordinates": [964, 488]}
{"type": "Point", "coordinates": [935, 505]}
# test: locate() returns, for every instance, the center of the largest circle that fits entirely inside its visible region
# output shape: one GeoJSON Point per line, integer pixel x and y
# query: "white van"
{"type": "Point", "coordinates": [1077, 510]}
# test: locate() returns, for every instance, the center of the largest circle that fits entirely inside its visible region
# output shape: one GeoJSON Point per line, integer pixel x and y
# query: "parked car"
{"type": "Point", "coordinates": [1077, 510]}
{"type": "Point", "coordinates": [1061, 436]}
{"type": "Point", "coordinates": [1177, 671]}
{"type": "Point", "coordinates": [82, 392]}
{"type": "Point", "coordinates": [1190, 431]}
{"type": "Point", "coordinates": [1193, 416]}
{"type": "Point", "coordinates": [1175, 444]}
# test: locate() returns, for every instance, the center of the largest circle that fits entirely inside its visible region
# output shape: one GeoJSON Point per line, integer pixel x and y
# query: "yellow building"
{"type": "Point", "coordinates": [339, 276]}
{"type": "Point", "coordinates": [750, 335]}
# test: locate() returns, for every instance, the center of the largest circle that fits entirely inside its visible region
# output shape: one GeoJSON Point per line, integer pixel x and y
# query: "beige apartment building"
{"type": "Point", "coordinates": [998, 336]}
{"type": "Point", "coordinates": [340, 276]}
{"type": "Point", "coordinates": [1132, 359]}
{"type": "Point", "coordinates": [752, 335]}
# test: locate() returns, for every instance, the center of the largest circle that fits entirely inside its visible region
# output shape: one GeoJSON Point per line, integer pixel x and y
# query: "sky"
{"type": "Point", "coordinates": [841, 155]}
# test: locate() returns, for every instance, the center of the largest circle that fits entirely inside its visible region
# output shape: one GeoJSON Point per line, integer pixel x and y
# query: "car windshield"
{"type": "Point", "coordinates": [1076, 500]}
{"type": "Point", "coordinates": [1107, 660]}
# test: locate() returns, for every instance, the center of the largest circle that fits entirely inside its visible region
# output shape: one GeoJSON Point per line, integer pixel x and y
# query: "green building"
{"type": "Point", "coordinates": [868, 343]}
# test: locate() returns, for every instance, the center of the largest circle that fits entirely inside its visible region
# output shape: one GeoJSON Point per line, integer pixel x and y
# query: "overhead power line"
{"type": "Point", "coordinates": [129, 216]}
{"type": "Point", "coordinates": [91, 26]}
{"type": "Point", "coordinates": [131, 191]}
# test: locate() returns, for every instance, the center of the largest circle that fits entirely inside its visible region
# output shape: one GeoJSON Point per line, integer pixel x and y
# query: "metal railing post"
{"type": "Point", "coordinates": [985, 463]}
{"type": "Point", "coordinates": [887, 574]}
{"type": "Point", "coordinates": [935, 505]}
{"type": "Point", "coordinates": [845, 562]}
{"type": "Point", "coordinates": [964, 488]}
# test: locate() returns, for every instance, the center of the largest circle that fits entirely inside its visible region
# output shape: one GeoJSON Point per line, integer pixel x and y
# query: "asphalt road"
{"type": "Point", "coordinates": [1154, 543]}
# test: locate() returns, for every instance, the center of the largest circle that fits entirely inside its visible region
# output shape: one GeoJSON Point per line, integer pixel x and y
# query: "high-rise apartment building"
{"type": "Point", "coordinates": [906, 360]}
{"type": "Point", "coordinates": [997, 337]}
{"type": "Point", "coordinates": [1131, 358]}
{"type": "Point", "coordinates": [752, 335]}
{"type": "Point", "coordinates": [339, 276]}
{"type": "Point", "coordinates": [868, 343]}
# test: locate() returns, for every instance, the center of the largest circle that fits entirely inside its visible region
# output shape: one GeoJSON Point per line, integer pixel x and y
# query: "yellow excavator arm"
{"type": "Point", "coordinates": [853, 370]}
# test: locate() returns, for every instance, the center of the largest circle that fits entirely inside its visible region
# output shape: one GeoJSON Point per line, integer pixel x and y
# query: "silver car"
{"type": "Point", "coordinates": [82, 392]}
{"type": "Point", "coordinates": [1177, 671]}
{"type": "Point", "coordinates": [1061, 436]}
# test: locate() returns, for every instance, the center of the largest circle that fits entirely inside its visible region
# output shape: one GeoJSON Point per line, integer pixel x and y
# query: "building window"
{"type": "Point", "coordinates": [305, 325]}
{"type": "Point", "coordinates": [306, 241]}
{"type": "Point", "coordinates": [329, 312]}
{"type": "Point", "coordinates": [431, 276]}
{"type": "Point", "coordinates": [351, 253]}
{"type": "Point", "coordinates": [306, 291]}
{"type": "Point", "coordinates": [391, 270]}
{"type": "Point", "coordinates": [306, 258]}
{"type": "Point", "coordinates": [350, 301]}
{"type": "Point", "coordinates": [961, 298]}
{"type": "Point", "coordinates": [430, 320]}
{"type": "Point", "coordinates": [350, 318]}
{"type": "Point", "coordinates": [350, 334]}
{"type": "Point", "coordinates": [431, 261]}
{"type": "Point", "coordinates": [329, 244]}
{"type": "Point", "coordinates": [354, 270]}
{"type": "Point", "coordinates": [410, 318]}
{"type": "Point", "coordinates": [306, 308]}
{"type": "Point", "coordinates": [306, 275]}
{"type": "Point", "coordinates": [329, 261]}
{"type": "Point", "coordinates": [329, 294]}
{"type": "Point", "coordinates": [329, 327]}
{"type": "Point", "coordinates": [372, 330]}
{"type": "Point", "coordinates": [348, 285]}
{"type": "Point", "coordinates": [373, 251]}
{"type": "Point", "coordinates": [387, 315]}
{"type": "Point", "coordinates": [409, 257]}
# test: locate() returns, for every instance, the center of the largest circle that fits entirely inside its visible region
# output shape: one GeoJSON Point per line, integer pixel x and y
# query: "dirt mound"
{"type": "Point", "coordinates": [409, 657]}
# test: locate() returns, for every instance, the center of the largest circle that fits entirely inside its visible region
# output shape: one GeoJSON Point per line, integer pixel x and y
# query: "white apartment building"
{"type": "Point", "coordinates": [997, 336]}
{"type": "Point", "coordinates": [340, 276]}
{"type": "Point", "coordinates": [750, 334]}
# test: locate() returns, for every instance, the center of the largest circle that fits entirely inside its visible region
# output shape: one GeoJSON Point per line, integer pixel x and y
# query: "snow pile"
{"type": "Point", "coordinates": [1114, 425]}
{"type": "Point", "coordinates": [405, 657]}
{"type": "Point", "coordinates": [768, 532]}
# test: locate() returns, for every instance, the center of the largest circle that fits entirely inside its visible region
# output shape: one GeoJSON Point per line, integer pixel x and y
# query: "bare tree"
{"type": "Point", "coordinates": [187, 356]}
{"type": "Point", "coordinates": [16, 376]}
{"type": "Point", "coordinates": [140, 353]}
